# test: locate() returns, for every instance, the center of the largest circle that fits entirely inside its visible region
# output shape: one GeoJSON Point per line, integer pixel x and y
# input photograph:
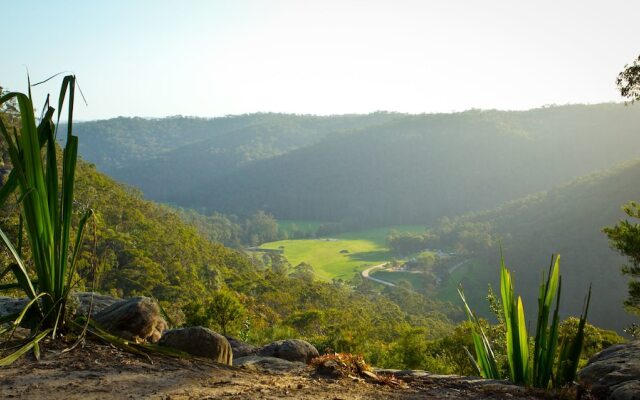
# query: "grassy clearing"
{"type": "Point", "coordinates": [328, 256]}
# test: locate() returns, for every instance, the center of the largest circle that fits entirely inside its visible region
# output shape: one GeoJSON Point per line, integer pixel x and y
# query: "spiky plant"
{"type": "Point", "coordinates": [535, 369]}
{"type": "Point", "coordinates": [46, 207]}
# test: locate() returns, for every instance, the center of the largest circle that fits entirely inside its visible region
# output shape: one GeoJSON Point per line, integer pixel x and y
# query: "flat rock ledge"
{"type": "Point", "coordinates": [269, 364]}
{"type": "Point", "coordinates": [493, 385]}
{"type": "Point", "coordinates": [614, 373]}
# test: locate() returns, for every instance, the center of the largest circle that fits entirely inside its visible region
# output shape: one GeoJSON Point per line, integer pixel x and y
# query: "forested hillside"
{"type": "Point", "coordinates": [165, 157]}
{"type": "Point", "coordinates": [137, 247]}
{"type": "Point", "coordinates": [382, 169]}
{"type": "Point", "coordinates": [567, 220]}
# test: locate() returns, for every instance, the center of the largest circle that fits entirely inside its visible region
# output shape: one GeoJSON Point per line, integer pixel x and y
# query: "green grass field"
{"type": "Point", "coordinates": [364, 248]}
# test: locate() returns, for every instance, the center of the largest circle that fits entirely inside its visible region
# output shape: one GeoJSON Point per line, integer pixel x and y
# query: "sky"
{"type": "Point", "coordinates": [212, 58]}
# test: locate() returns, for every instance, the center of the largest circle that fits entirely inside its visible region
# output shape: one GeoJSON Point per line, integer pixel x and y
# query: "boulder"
{"type": "Point", "coordinates": [270, 364]}
{"type": "Point", "coordinates": [80, 303]}
{"type": "Point", "coordinates": [100, 302]}
{"type": "Point", "coordinates": [614, 373]}
{"type": "Point", "coordinates": [240, 348]}
{"type": "Point", "coordinates": [137, 318]}
{"type": "Point", "coordinates": [290, 350]}
{"type": "Point", "coordinates": [199, 341]}
{"type": "Point", "coordinates": [12, 305]}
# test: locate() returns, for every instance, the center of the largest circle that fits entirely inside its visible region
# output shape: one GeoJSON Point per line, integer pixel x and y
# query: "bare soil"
{"type": "Point", "coordinates": [98, 371]}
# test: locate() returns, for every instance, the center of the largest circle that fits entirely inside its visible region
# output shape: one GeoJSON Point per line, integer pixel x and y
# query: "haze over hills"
{"type": "Point", "coordinates": [190, 151]}
{"type": "Point", "coordinates": [565, 220]}
{"type": "Point", "coordinates": [381, 169]}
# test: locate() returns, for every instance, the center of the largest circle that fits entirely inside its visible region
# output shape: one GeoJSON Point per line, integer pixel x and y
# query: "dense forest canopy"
{"type": "Point", "coordinates": [369, 170]}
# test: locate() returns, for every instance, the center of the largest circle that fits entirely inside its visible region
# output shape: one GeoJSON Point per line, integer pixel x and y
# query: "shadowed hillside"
{"type": "Point", "coordinates": [372, 170]}
{"type": "Point", "coordinates": [567, 220]}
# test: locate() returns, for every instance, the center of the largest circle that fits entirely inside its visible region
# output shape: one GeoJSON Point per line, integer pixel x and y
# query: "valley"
{"type": "Point", "coordinates": [345, 200]}
{"type": "Point", "coordinates": [476, 179]}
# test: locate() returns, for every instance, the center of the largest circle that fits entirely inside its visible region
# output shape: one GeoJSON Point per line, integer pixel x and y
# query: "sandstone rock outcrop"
{"type": "Point", "coordinates": [199, 341]}
{"type": "Point", "coordinates": [614, 373]}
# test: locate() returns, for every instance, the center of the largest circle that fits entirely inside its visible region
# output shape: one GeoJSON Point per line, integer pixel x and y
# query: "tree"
{"type": "Point", "coordinates": [625, 237]}
{"type": "Point", "coordinates": [628, 81]}
{"type": "Point", "coordinates": [224, 309]}
{"type": "Point", "coordinates": [219, 310]}
{"type": "Point", "coordinates": [303, 271]}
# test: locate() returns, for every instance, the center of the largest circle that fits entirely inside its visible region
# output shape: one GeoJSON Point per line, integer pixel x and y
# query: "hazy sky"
{"type": "Point", "coordinates": [211, 58]}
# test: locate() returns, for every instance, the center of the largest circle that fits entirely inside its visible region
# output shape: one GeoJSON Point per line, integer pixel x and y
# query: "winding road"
{"type": "Point", "coordinates": [365, 274]}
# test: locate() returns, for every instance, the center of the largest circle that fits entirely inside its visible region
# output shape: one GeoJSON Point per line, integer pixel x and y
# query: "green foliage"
{"type": "Point", "coordinates": [628, 81]}
{"type": "Point", "coordinates": [534, 369]}
{"type": "Point", "coordinates": [218, 311]}
{"type": "Point", "coordinates": [232, 231]}
{"type": "Point", "coordinates": [46, 202]}
{"type": "Point", "coordinates": [595, 339]}
{"type": "Point", "coordinates": [485, 361]}
{"type": "Point", "coordinates": [625, 237]}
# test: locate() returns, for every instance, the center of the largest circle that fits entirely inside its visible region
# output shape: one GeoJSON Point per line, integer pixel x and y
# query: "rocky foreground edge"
{"type": "Point", "coordinates": [612, 374]}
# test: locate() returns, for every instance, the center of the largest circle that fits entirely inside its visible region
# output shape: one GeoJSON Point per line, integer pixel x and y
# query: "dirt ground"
{"type": "Point", "coordinates": [97, 371]}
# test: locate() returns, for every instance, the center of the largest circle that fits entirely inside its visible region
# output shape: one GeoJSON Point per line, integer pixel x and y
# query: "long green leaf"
{"type": "Point", "coordinates": [68, 177]}
{"type": "Point", "coordinates": [486, 360]}
{"type": "Point", "coordinates": [546, 340]}
{"type": "Point", "coordinates": [8, 360]}
{"type": "Point", "coordinates": [571, 350]}
{"type": "Point", "coordinates": [27, 307]}
{"type": "Point", "coordinates": [21, 272]}
{"type": "Point", "coordinates": [78, 244]}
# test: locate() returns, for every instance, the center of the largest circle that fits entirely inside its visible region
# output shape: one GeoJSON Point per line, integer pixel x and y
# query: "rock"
{"type": "Point", "coordinates": [614, 373]}
{"type": "Point", "coordinates": [402, 373]}
{"type": "Point", "coordinates": [290, 350]}
{"type": "Point", "coordinates": [329, 369]}
{"type": "Point", "coordinates": [240, 348]}
{"type": "Point", "coordinates": [80, 300]}
{"type": "Point", "coordinates": [137, 318]}
{"type": "Point", "coordinates": [78, 304]}
{"type": "Point", "coordinates": [271, 364]}
{"type": "Point", "coordinates": [100, 302]}
{"type": "Point", "coordinates": [12, 305]}
{"type": "Point", "coordinates": [199, 341]}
